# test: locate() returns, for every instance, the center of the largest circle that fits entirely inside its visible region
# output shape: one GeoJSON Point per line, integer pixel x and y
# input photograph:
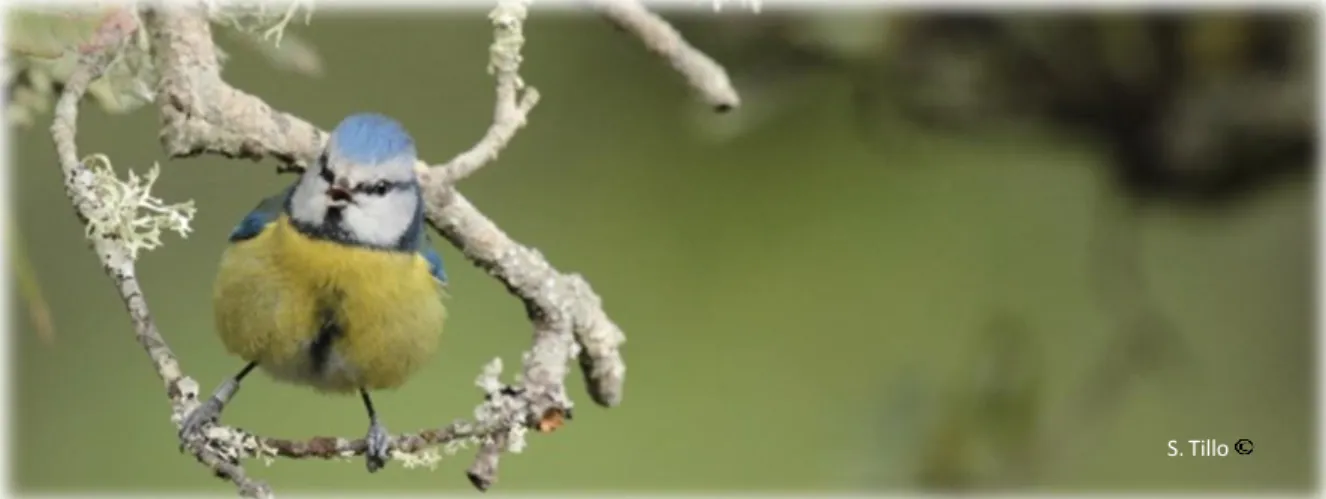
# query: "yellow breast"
{"type": "Point", "coordinates": [275, 293]}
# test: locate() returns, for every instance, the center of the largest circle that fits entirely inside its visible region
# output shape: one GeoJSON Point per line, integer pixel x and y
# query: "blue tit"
{"type": "Point", "coordinates": [333, 283]}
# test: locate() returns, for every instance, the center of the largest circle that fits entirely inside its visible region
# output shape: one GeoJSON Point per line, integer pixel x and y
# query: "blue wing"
{"type": "Point", "coordinates": [265, 213]}
{"type": "Point", "coordinates": [424, 245]}
{"type": "Point", "coordinates": [435, 267]}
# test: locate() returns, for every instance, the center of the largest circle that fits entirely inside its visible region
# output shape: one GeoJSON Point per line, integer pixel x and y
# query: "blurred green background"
{"type": "Point", "coordinates": [823, 291]}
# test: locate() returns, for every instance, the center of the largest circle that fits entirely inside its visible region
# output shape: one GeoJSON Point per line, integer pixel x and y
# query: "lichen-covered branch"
{"type": "Point", "coordinates": [512, 105]}
{"type": "Point", "coordinates": [557, 299]}
{"type": "Point", "coordinates": [201, 113]}
{"type": "Point", "coordinates": [116, 255]}
{"type": "Point", "coordinates": [190, 83]}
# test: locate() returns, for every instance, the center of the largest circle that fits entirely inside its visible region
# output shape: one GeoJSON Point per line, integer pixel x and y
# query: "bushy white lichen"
{"type": "Point", "coordinates": [515, 439]}
{"type": "Point", "coordinates": [428, 458]}
{"type": "Point", "coordinates": [499, 410]}
{"type": "Point", "coordinates": [126, 211]}
{"type": "Point", "coordinates": [489, 379]}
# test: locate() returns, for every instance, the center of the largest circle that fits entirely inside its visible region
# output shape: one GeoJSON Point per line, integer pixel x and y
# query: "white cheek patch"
{"type": "Point", "coordinates": [308, 203]}
{"type": "Point", "coordinates": [380, 220]}
{"type": "Point", "coordinates": [375, 220]}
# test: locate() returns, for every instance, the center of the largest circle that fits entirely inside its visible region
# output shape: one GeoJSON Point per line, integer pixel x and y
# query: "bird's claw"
{"type": "Point", "coordinates": [379, 446]}
{"type": "Point", "coordinates": [207, 412]}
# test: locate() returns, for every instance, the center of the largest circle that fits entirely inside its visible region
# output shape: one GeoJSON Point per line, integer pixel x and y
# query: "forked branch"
{"type": "Point", "coordinates": [201, 113]}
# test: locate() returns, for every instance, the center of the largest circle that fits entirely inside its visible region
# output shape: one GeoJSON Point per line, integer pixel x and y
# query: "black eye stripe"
{"type": "Point", "coordinates": [324, 171]}
{"type": "Point", "coordinates": [380, 187]}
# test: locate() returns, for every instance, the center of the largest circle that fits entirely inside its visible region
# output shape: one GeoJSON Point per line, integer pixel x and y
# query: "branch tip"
{"type": "Point", "coordinates": [706, 78]}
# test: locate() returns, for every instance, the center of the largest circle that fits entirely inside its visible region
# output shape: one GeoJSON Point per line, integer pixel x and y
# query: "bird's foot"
{"type": "Point", "coordinates": [208, 411]}
{"type": "Point", "coordinates": [379, 446]}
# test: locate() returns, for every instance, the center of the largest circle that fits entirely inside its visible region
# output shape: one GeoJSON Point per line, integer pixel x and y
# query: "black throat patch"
{"type": "Point", "coordinates": [335, 214]}
{"type": "Point", "coordinates": [330, 329]}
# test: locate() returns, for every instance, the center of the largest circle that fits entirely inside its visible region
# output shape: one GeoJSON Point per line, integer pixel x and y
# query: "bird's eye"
{"type": "Point", "coordinates": [378, 188]}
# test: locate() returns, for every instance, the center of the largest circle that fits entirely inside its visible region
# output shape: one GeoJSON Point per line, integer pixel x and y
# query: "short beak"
{"type": "Point", "coordinates": [338, 193]}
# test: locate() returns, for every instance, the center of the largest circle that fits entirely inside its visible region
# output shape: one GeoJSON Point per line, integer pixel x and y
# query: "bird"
{"type": "Point", "coordinates": [333, 283]}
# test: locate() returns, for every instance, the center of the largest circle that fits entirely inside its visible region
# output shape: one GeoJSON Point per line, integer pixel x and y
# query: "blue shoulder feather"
{"type": "Point", "coordinates": [435, 267]}
{"type": "Point", "coordinates": [257, 220]}
{"type": "Point", "coordinates": [423, 244]}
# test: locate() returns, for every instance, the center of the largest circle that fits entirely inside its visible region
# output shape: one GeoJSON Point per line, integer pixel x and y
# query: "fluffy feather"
{"type": "Point", "coordinates": [276, 290]}
{"type": "Point", "coordinates": [369, 161]}
{"type": "Point", "coordinates": [371, 139]}
{"type": "Point", "coordinates": [333, 282]}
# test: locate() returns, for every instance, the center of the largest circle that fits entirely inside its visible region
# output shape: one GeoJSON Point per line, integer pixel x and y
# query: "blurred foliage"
{"type": "Point", "coordinates": [29, 288]}
{"type": "Point", "coordinates": [987, 428]}
{"type": "Point", "coordinates": [43, 46]}
{"type": "Point", "coordinates": [1198, 109]}
{"type": "Point", "coordinates": [43, 50]}
{"type": "Point", "coordinates": [1193, 106]}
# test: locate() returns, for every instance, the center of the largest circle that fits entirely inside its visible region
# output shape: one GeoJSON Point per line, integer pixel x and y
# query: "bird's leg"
{"type": "Point", "coordinates": [210, 409]}
{"type": "Point", "coordinates": [379, 441]}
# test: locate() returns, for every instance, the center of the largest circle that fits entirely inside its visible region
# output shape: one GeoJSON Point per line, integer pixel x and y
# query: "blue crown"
{"type": "Point", "coordinates": [370, 138]}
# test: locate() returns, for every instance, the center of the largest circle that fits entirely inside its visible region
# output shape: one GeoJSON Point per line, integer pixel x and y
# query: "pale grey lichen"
{"type": "Point", "coordinates": [500, 410]}
{"type": "Point", "coordinates": [269, 18]}
{"type": "Point", "coordinates": [515, 439]}
{"type": "Point", "coordinates": [427, 458]}
{"type": "Point", "coordinates": [508, 38]}
{"type": "Point", "coordinates": [126, 211]}
{"type": "Point", "coordinates": [514, 99]}
{"type": "Point", "coordinates": [455, 446]}
{"type": "Point", "coordinates": [188, 399]}
{"type": "Point", "coordinates": [489, 379]}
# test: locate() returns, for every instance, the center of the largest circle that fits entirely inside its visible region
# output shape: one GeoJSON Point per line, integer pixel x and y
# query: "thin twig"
{"type": "Point", "coordinates": [337, 447]}
{"type": "Point", "coordinates": [706, 77]}
{"type": "Point", "coordinates": [513, 105]}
